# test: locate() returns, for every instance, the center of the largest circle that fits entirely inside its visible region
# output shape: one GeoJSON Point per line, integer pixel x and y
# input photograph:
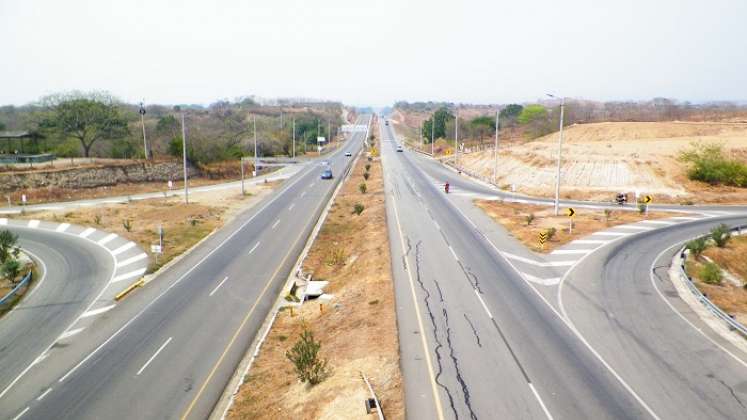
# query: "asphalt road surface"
{"type": "Point", "coordinates": [169, 350]}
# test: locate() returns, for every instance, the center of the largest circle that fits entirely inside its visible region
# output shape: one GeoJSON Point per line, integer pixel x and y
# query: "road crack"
{"type": "Point", "coordinates": [474, 330]}
{"type": "Point", "coordinates": [455, 361]}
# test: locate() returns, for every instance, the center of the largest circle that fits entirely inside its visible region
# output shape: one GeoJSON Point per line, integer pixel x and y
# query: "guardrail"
{"type": "Point", "coordinates": [732, 323]}
{"type": "Point", "coordinates": [24, 281]}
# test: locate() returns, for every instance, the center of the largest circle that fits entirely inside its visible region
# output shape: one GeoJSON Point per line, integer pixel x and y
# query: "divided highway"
{"type": "Point", "coordinates": [169, 350]}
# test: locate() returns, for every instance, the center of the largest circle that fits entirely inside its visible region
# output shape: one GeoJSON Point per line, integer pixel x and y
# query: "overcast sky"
{"type": "Point", "coordinates": [375, 52]}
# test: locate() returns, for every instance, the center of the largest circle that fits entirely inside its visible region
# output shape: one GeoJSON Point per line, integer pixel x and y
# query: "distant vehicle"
{"type": "Point", "coordinates": [399, 148]}
{"type": "Point", "coordinates": [348, 154]}
{"type": "Point", "coordinates": [325, 163]}
{"type": "Point", "coordinates": [386, 122]}
{"type": "Point", "coordinates": [327, 174]}
{"type": "Point", "coordinates": [621, 198]}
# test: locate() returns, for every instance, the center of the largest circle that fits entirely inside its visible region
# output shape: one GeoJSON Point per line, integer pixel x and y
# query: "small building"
{"type": "Point", "coordinates": [14, 146]}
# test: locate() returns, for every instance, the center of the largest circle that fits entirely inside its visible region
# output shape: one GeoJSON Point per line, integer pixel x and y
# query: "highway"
{"type": "Point", "coordinates": [168, 350]}
{"type": "Point", "coordinates": [476, 340]}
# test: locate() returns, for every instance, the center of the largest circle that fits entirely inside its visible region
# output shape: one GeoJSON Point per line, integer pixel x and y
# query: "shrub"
{"type": "Point", "coordinates": [8, 248]}
{"type": "Point", "coordinates": [358, 209]}
{"type": "Point", "coordinates": [697, 246]}
{"type": "Point", "coordinates": [642, 208]}
{"type": "Point", "coordinates": [721, 235]}
{"type": "Point", "coordinates": [607, 215]}
{"type": "Point", "coordinates": [97, 219]}
{"type": "Point", "coordinates": [708, 164]}
{"type": "Point", "coordinates": [305, 358]}
{"type": "Point", "coordinates": [336, 256]}
{"type": "Point", "coordinates": [127, 225]}
{"type": "Point", "coordinates": [551, 233]}
{"type": "Point", "coordinates": [11, 268]}
{"type": "Point", "coordinates": [529, 218]}
{"type": "Point", "coordinates": [368, 167]}
{"type": "Point", "coordinates": [366, 175]}
{"type": "Point", "coordinates": [710, 273]}
{"type": "Point", "coordinates": [362, 187]}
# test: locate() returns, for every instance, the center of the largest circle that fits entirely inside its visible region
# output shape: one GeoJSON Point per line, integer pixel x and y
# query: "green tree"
{"type": "Point", "coordinates": [8, 245]}
{"type": "Point", "coordinates": [721, 235]}
{"type": "Point", "coordinates": [483, 126]}
{"type": "Point", "coordinates": [439, 119]}
{"type": "Point", "coordinates": [532, 113]}
{"type": "Point", "coordinates": [87, 119]}
{"type": "Point", "coordinates": [708, 164]}
{"type": "Point", "coordinates": [11, 268]}
{"type": "Point", "coordinates": [167, 125]}
{"type": "Point", "coordinates": [2, 126]}
{"type": "Point", "coordinates": [305, 358]}
{"type": "Point", "coordinates": [511, 111]}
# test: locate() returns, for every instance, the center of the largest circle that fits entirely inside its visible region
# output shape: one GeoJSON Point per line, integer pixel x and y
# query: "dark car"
{"type": "Point", "coordinates": [348, 154]}
{"type": "Point", "coordinates": [327, 174]}
{"type": "Point", "coordinates": [399, 148]}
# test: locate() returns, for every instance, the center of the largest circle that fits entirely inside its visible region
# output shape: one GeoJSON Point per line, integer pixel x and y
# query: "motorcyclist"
{"type": "Point", "coordinates": [446, 187]}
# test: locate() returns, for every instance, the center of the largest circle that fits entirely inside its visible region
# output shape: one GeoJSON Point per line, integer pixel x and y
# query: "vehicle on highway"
{"type": "Point", "coordinates": [348, 154]}
{"type": "Point", "coordinates": [399, 148]}
{"type": "Point", "coordinates": [621, 198]}
{"type": "Point", "coordinates": [325, 163]}
{"type": "Point", "coordinates": [386, 122]}
{"type": "Point", "coordinates": [446, 187]}
{"type": "Point", "coordinates": [327, 174]}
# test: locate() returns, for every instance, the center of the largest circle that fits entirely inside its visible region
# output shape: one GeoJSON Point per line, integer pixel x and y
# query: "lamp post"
{"type": "Point", "coordinates": [433, 140]}
{"type": "Point", "coordinates": [184, 157]}
{"type": "Point", "coordinates": [254, 117]}
{"type": "Point", "coordinates": [142, 121]}
{"type": "Point", "coordinates": [560, 146]}
{"type": "Point", "coordinates": [495, 151]}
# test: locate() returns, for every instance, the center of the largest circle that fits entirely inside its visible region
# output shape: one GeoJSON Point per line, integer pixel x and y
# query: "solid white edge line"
{"type": "Point", "coordinates": [21, 413]}
{"type": "Point", "coordinates": [253, 248]}
{"type": "Point", "coordinates": [218, 286]}
{"type": "Point", "coordinates": [153, 357]}
{"type": "Point", "coordinates": [453, 253]}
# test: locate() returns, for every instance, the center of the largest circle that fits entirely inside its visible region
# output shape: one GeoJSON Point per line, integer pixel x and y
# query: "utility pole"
{"type": "Point", "coordinates": [294, 138]}
{"type": "Point", "coordinates": [422, 139]}
{"type": "Point", "coordinates": [184, 157]}
{"type": "Point", "coordinates": [495, 152]}
{"type": "Point", "coordinates": [142, 121]}
{"type": "Point", "coordinates": [255, 145]}
{"type": "Point", "coordinates": [242, 175]}
{"type": "Point", "coordinates": [456, 141]}
{"type": "Point", "coordinates": [329, 132]}
{"type": "Point", "coordinates": [560, 146]}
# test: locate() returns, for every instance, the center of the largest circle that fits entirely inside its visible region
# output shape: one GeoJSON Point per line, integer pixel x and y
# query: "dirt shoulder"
{"type": "Point", "coordinates": [730, 294]}
{"type": "Point", "coordinates": [516, 217]}
{"type": "Point", "coordinates": [183, 224]}
{"type": "Point", "coordinates": [357, 328]}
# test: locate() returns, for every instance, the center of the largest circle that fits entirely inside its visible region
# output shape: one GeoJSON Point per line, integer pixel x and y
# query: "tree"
{"type": "Point", "coordinates": [2, 126]}
{"type": "Point", "coordinates": [439, 118]}
{"type": "Point", "coordinates": [721, 235]}
{"type": "Point", "coordinates": [8, 245]}
{"type": "Point", "coordinates": [483, 125]}
{"type": "Point", "coordinates": [532, 113]}
{"type": "Point", "coordinates": [87, 119]}
{"type": "Point", "coordinates": [511, 111]}
{"type": "Point", "coordinates": [11, 268]}
{"type": "Point", "coordinates": [305, 358]}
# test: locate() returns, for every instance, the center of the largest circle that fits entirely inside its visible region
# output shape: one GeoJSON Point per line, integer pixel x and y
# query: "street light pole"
{"type": "Point", "coordinates": [254, 117]}
{"type": "Point", "coordinates": [142, 121]}
{"type": "Point", "coordinates": [495, 152]}
{"type": "Point", "coordinates": [294, 138]}
{"type": "Point", "coordinates": [433, 125]}
{"type": "Point", "coordinates": [456, 141]}
{"type": "Point", "coordinates": [184, 157]}
{"type": "Point", "coordinates": [560, 146]}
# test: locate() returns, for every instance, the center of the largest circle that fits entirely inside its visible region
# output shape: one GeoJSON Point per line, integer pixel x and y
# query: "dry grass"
{"type": "Point", "coordinates": [513, 216]}
{"type": "Point", "coordinates": [357, 328]}
{"type": "Point", "coordinates": [727, 296]}
{"type": "Point", "coordinates": [184, 224]}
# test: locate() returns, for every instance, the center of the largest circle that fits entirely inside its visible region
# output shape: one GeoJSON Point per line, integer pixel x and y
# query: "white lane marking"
{"type": "Point", "coordinates": [108, 238]}
{"type": "Point", "coordinates": [302, 194]}
{"type": "Point", "coordinates": [172, 285]}
{"type": "Point", "coordinates": [608, 233]}
{"type": "Point", "coordinates": [44, 394]}
{"type": "Point", "coordinates": [657, 222]}
{"type": "Point", "coordinates": [552, 281]}
{"type": "Point", "coordinates": [542, 404]}
{"type": "Point", "coordinates": [86, 233]}
{"type": "Point", "coordinates": [132, 260]}
{"type": "Point", "coordinates": [684, 218]}
{"type": "Point", "coordinates": [41, 357]}
{"type": "Point", "coordinates": [537, 263]}
{"type": "Point", "coordinates": [3, 221]}
{"type": "Point", "coordinates": [633, 227]}
{"type": "Point", "coordinates": [311, 185]}
{"type": "Point", "coordinates": [123, 248]}
{"type": "Point", "coordinates": [274, 225]}
{"type": "Point", "coordinates": [253, 248]}
{"type": "Point", "coordinates": [153, 357]}
{"type": "Point", "coordinates": [131, 274]}
{"type": "Point", "coordinates": [291, 206]}
{"type": "Point", "coordinates": [21, 413]}
{"type": "Point", "coordinates": [68, 334]}
{"type": "Point", "coordinates": [589, 241]}
{"type": "Point", "coordinates": [661, 295]}
{"type": "Point", "coordinates": [453, 253]}
{"type": "Point", "coordinates": [33, 224]}
{"type": "Point", "coordinates": [570, 251]}
{"type": "Point", "coordinates": [218, 286]}
{"type": "Point", "coordinates": [94, 312]}
{"type": "Point", "coordinates": [63, 227]}
{"type": "Point", "coordinates": [436, 223]}
{"type": "Point", "coordinates": [484, 306]}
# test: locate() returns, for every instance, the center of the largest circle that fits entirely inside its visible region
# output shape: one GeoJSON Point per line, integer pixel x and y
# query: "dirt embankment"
{"type": "Point", "coordinates": [357, 328]}
{"type": "Point", "coordinates": [604, 158]}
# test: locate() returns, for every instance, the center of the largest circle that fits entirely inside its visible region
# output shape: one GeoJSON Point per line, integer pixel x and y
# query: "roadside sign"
{"type": "Point", "coordinates": [156, 249]}
{"type": "Point", "coordinates": [320, 140]}
{"type": "Point", "coordinates": [570, 212]}
{"type": "Point", "coordinates": [23, 198]}
{"type": "Point", "coordinates": [542, 239]}
{"type": "Point", "coordinates": [647, 199]}
{"type": "Point", "coordinates": [171, 184]}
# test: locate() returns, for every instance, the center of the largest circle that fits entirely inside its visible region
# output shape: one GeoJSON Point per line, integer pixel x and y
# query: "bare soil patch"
{"type": "Point", "coordinates": [514, 217]}
{"type": "Point", "coordinates": [357, 328]}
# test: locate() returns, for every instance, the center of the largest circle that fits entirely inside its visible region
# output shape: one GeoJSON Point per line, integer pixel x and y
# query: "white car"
{"type": "Point", "coordinates": [348, 154]}
{"type": "Point", "coordinates": [325, 163]}
{"type": "Point", "coordinates": [399, 148]}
